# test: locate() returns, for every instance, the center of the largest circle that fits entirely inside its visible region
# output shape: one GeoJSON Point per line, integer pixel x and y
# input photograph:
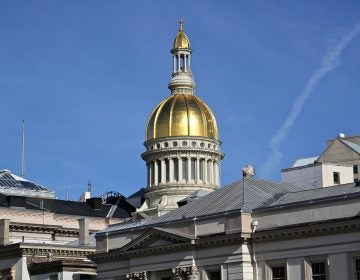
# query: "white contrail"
{"type": "Point", "coordinates": [329, 62]}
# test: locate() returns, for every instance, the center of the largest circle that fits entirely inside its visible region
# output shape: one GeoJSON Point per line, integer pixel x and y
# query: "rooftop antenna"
{"type": "Point", "coordinates": [89, 186]}
{"type": "Point", "coordinates": [67, 194]}
{"type": "Point", "coordinates": [23, 150]}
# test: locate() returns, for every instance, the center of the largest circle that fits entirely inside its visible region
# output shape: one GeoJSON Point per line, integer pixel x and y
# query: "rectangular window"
{"type": "Point", "coordinates": [159, 171]}
{"type": "Point", "coordinates": [167, 170]}
{"type": "Point", "coordinates": [278, 273]}
{"type": "Point", "coordinates": [193, 163]}
{"type": "Point", "coordinates": [184, 169]}
{"type": "Point", "coordinates": [336, 176]}
{"type": "Point", "coordinates": [318, 271]}
{"type": "Point", "coordinates": [355, 169]}
{"type": "Point", "coordinates": [201, 169]}
{"type": "Point", "coordinates": [357, 269]}
{"type": "Point", "coordinates": [215, 275]}
{"type": "Point", "coordinates": [176, 169]}
{"type": "Point", "coordinates": [152, 168]}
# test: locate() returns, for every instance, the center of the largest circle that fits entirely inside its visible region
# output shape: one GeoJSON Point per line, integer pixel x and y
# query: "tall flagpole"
{"type": "Point", "coordinates": [23, 150]}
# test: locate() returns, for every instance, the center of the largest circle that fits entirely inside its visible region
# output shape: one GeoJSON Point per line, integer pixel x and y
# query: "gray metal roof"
{"type": "Point", "coordinates": [317, 194]}
{"type": "Point", "coordinates": [258, 193]}
{"type": "Point", "coordinates": [352, 145]}
{"type": "Point", "coordinates": [304, 161]}
{"type": "Point", "coordinates": [11, 184]}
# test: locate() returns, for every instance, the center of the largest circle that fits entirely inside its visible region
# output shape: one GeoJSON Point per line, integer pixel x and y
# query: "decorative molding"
{"type": "Point", "coordinates": [186, 273]}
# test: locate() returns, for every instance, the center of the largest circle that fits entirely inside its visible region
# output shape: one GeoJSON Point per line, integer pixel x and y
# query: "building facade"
{"type": "Point", "coordinates": [46, 238]}
{"type": "Point", "coordinates": [249, 230]}
{"type": "Point", "coordinates": [252, 229]}
{"type": "Point", "coordinates": [339, 163]}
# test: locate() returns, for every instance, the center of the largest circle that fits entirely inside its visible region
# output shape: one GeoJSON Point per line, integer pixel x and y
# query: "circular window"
{"type": "Point", "coordinates": [158, 145]}
{"type": "Point", "coordinates": [184, 143]}
{"type": "Point", "coordinates": [202, 144]}
{"type": "Point", "coordinates": [193, 144]}
{"type": "Point", "coordinates": [209, 146]}
{"type": "Point", "coordinates": [166, 144]}
{"type": "Point", "coordinates": [175, 144]}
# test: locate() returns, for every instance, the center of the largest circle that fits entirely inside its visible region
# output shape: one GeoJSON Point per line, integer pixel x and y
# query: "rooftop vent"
{"type": "Point", "coordinates": [341, 135]}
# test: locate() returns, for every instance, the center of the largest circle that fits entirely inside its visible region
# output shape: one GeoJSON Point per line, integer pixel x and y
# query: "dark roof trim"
{"type": "Point", "coordinates": [308, 202]}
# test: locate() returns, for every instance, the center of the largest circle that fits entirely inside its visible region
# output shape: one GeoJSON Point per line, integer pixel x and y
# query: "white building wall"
{"type": "Point", "coordinates": [345, 172]}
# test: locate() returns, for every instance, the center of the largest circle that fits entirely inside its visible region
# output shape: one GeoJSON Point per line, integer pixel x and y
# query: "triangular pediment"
{"type": "Point", "coordinates": [156, 237]}
{"type": "Point", "coordinates": [339, 150]}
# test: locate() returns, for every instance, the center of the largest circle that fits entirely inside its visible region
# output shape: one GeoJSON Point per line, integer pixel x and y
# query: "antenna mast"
{"type": "Point", "coordinates": [23, 150]}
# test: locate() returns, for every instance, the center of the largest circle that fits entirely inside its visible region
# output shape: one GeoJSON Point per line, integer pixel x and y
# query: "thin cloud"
{"type": "Point", "coordinates": [330, 61]}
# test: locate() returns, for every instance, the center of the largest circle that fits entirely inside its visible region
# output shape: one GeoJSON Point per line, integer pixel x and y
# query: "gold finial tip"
{"type": "Point", "coordinates": [181, 25]}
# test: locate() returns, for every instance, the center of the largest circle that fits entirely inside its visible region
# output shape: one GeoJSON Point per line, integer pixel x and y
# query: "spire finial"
{"type": "Point", "coordinates": [181, 25]}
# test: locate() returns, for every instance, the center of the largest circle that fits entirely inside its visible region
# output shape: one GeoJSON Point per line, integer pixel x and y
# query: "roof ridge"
{"type": "Point", "coordinates": [350, 145]}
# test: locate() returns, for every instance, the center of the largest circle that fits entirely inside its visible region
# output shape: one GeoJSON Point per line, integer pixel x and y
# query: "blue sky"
{"type": "Point", "coordinates": [85, 76]}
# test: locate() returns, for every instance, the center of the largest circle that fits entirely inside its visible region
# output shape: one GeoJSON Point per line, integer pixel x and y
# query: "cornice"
{"type": "Point", "coordinates": [305, 230]}
{"type": "Point", "coordinates": [193, 244]}
{"type": "Point", "coordinates": [44, 250]}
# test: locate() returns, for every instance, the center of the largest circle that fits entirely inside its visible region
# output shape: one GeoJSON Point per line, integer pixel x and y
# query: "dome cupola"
{"type": "Point", "coordinates": [182, 115]}
{"type": "Point", "coordinates": [181, 41]}
{"type": "Point", "coordinates": [182, 141]}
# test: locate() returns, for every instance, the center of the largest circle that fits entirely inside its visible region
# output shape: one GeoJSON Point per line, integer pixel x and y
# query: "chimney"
{"type": "Point", "coordinates": [4, 232]}
{"type": "Point", "coordinates": [84, 231]}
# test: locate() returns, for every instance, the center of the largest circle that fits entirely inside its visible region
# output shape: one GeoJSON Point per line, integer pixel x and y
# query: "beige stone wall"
{"type": "Point", "coordinates": [345, 174]}
{"type": "Point", "coordinates": [25, 217]}
{"type": "Point", "coordinates": [337, 152]}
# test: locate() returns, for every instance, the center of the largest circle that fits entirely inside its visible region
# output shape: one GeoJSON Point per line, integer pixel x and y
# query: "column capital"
{"type": "Point", "coordinates": [187, 272]}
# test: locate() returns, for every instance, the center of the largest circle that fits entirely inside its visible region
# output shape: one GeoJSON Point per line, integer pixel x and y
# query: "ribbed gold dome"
{"type": "Point", "coordinates": [182, 115]}
{"type": "Point", "coordinates": [181, 40]}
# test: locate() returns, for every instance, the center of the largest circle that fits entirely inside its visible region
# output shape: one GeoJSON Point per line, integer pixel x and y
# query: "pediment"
{"type": "Point", "coordinates": [156, 238]}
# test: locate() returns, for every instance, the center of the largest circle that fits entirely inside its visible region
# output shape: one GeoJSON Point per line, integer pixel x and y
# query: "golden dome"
{"type": "Point", "coordinates": [182, 115]}
{"type": "Point", "coordinates": [181, 40]}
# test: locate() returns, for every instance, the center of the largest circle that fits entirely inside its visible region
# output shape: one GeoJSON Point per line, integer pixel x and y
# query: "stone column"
{"type": "Point", "coordinates": [163, 171]}
{"type": "Point", "coordinates": [171, 170]}
{"type": "Point", "coordinates": [205, 171]}
{"type": "Point", "coordinates": [156, 172]}
{"type": "Point", "coordinates": [180, 169]}
{"type": "Point", "coordinates": [174, 63]}
{"type": "Point", "coordinates": [189, 169]}
{"type": "Point", "coordinates": [197, 177]}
